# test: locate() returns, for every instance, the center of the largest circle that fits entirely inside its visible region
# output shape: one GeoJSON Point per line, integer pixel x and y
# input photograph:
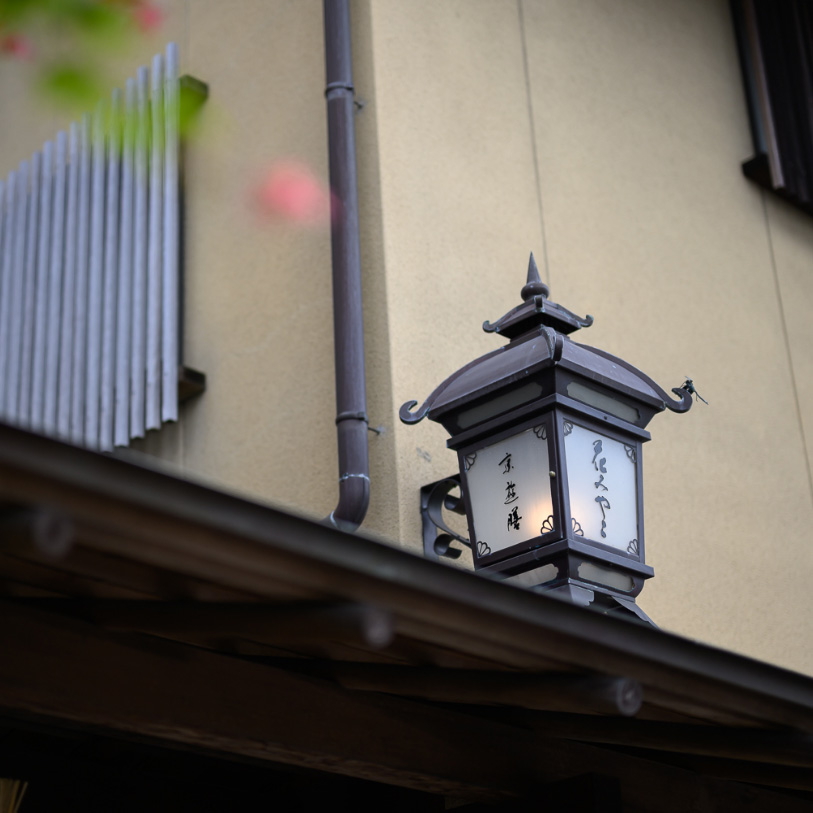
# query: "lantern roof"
{"type": "Point", "coordinates": [536, 309]}
{"type": "Point", "coordinates": [538, 331]}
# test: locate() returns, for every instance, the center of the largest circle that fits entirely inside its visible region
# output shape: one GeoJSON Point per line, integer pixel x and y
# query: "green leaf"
{"type": "Point", "coordinates": [71, 86]}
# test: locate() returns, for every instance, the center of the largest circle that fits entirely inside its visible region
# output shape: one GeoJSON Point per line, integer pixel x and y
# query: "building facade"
{"type": "Point", "coordinates": [607, 138]}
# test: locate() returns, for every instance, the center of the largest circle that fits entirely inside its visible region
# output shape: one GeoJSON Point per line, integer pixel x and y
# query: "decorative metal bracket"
{"type": "Point", "coordinates": [437, 535]}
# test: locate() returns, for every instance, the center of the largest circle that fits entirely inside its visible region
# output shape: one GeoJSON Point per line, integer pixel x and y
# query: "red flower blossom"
{"type": "Point", "coordinates": [292, 192]}
{"type": "Point", "coordinates": [16, 46]}
{"type": "Point", "coordinates": [148, 16]}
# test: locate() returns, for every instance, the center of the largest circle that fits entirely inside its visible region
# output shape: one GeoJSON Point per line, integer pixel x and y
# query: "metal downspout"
{"type": "Point", "coordinates": [351, 399]}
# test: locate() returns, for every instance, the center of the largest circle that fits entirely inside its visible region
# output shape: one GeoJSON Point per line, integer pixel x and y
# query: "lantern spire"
{"type": "Point", "coordinates": [536, 309]}
{"type": "Point", "coordinates": [534, 285]}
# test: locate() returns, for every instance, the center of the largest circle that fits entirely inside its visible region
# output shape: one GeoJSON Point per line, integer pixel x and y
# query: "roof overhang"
{"type": "Point", "coordinates": [147, 606]}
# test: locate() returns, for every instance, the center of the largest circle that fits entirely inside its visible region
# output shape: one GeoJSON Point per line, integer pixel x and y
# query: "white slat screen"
{"type": "Point", "coordinates": [89, 271]}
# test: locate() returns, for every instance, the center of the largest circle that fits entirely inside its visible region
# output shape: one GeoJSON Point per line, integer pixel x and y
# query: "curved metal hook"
{"type": "Point", "coordinates": [437, 535]}
{"type": "Point", "coordinates": [683, 405]}
{"type": "Point", "coordinates": [434, 508]}
{"type": "Point", "coordinates": [685, 400]}
{"type": "Point", "coordinates": [406, 414]}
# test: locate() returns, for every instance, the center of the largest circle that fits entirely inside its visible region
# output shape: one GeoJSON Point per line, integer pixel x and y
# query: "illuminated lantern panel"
{"type": "Point", "coordinates": [602, 482]}
{"type": "Point", "coordinates": [509, 489]}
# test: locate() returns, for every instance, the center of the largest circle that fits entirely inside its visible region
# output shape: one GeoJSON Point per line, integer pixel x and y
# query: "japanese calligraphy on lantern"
{"type": "Point", "coordinates": [509, 489]}
{"type": "Point", "coordinates": [602, 480]}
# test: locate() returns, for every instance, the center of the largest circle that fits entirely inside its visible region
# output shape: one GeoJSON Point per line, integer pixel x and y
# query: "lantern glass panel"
{"type": "Point", "coordinates": [602, 478]}
{"type": "Point", "coordinates": [509, 487]}
{"type": "Point", "coordinates": [602, 401]}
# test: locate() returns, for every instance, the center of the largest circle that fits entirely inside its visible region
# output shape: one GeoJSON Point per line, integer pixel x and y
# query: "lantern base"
{"type": "Point", "coordinates": [560, 577]}
{"type": "Point", "coordinates": [627, 606]}
{"type": "Point", "coordinates": [606, 603]}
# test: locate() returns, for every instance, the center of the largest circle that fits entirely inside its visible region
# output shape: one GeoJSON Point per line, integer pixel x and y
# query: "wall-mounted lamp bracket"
{"type": "Point", "coordinates": [437, 535]}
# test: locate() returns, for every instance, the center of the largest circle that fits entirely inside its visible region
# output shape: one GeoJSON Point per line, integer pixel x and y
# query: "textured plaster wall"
{"type": "Point", "coordinates": [641, 127]}
{"type": "Point", "coordinates": [459, 201]}
{"type": "Point", "coordinates": [258, 294]}
{"type": "Point", "coordinates": [607, 136]}
{"type": "Point", "coordinates": [259, 299]}
{"type": "Point", "coordinates": [258, 315]}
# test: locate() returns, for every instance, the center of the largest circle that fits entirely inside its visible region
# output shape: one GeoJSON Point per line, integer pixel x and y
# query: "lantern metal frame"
{"type": "Point", "coordinates": [542, 380]}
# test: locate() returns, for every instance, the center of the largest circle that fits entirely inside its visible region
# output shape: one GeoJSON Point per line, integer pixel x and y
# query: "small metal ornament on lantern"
{"type": "Point", "coordinates": [548, 434]}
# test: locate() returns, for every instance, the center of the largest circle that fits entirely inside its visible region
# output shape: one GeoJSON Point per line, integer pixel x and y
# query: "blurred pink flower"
{"type": "Point", "coordinates": [16, 46]}
{"type": "Point", "coordinates": [291, 192]}
{"type": "Point", "coordinates": [148, 16]}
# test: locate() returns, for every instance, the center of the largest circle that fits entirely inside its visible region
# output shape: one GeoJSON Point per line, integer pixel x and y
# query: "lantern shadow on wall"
{"type": "Point", "coordinates": [548, 435]}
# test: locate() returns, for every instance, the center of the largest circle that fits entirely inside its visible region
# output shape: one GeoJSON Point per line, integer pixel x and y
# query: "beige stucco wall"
{"type": "Point", "coordinates": [647, 212]}
{"type": "Point", "coordinates": [258, 304]}
{"type": "Point", "coordinates": [635, 116]}
{"type": "Point", "coordinates": [604, 136]}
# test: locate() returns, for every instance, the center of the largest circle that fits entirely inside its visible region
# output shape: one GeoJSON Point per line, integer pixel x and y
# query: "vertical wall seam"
{"type": "Point", "coordinates": [532, 128]}
{"type": "Point", "coordinates": [786, 339]}
{"type": "Point", "coordinates": [187, 34]}
{"type": "Point", "coordinates": [181, 426]}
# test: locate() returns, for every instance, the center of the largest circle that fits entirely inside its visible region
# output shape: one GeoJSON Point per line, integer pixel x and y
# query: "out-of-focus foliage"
{"type": "Point", "coordinates": [67, 42]}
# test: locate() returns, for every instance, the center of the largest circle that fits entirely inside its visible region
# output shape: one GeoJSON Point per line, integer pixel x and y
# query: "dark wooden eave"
{"type": "Point", "coordinates": [140, 605]}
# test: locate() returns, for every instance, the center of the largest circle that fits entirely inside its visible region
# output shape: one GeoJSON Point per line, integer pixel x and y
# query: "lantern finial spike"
{"type": "Point", "coordinates": [533, 271]}
{"type": "Point", "coordinates": [534, 285]}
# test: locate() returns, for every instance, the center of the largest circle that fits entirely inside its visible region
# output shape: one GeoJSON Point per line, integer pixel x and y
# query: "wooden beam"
{"type": "Point", "coordinates": [68, 671]}
{"type": "Point", "coordinates": [156, 520]}
{"type": "Point", "coordinates": [789, 748]}
{"type": "Point", "coordinates": [581, 694]}
{"type": "Point", "coordinates": [277, 625]}
{"type": "Point", "coordinates": [62, 671]}
{"type": "Point", "coordinates": [754, 773]}
{"type": "Point", "coordinates": [46, 530]}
